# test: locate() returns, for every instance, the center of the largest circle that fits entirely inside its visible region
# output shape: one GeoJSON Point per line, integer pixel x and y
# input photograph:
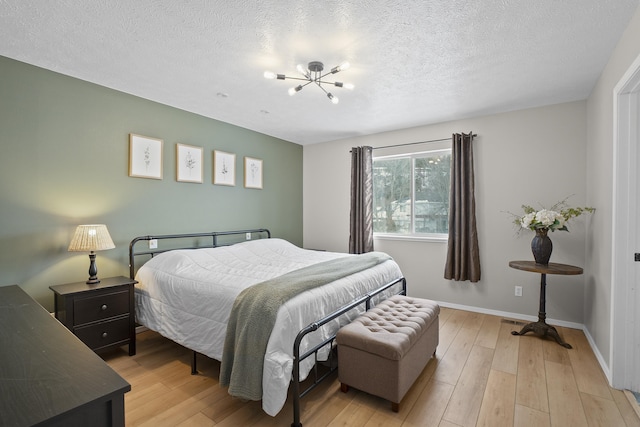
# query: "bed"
{"type": "Point", "coordinates": [188, 295]}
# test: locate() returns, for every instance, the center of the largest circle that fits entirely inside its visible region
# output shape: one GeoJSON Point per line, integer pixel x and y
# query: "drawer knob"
{"type": "Point", "coordinates": [104, 307]}
{"type": "Point", "coordinates": [104, 335]}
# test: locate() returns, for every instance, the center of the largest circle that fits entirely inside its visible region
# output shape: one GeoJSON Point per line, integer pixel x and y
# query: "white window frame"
{"type": "Point", "coordinates": [431, 237]}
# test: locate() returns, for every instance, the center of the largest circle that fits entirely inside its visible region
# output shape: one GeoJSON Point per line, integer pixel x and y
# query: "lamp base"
{"type": "Point", "coordinates": [93, 269]}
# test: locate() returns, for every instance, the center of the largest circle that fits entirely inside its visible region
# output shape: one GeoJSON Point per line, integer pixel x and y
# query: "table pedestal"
{"type": "Point", "coordinates": [541, 328]}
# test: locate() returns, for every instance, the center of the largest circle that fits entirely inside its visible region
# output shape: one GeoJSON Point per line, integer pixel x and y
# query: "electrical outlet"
{"type": "Point", "coordinates": [248, 236]}
{"type": "Point", "coordinates": [153, 244]}
{"type": "Point", "coordinates": [518, 291]}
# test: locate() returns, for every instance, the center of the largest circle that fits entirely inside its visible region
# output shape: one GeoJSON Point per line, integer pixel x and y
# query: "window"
{"type": "Point", "coordinates": [411, 194]}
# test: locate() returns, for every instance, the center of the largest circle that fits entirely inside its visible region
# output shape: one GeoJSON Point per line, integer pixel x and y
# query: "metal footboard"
{"type": "Point", "coordinates": [298, 358]}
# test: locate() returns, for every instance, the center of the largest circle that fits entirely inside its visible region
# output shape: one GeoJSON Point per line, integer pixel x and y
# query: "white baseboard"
{"type": "Point", "coordinates": [509, 315]}
{"type": "Point", "coordinates": [601, 361]}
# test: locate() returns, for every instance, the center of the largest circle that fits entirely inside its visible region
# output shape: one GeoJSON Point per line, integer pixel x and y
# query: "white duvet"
{"type": "Point", "coordinates": [187, 296]}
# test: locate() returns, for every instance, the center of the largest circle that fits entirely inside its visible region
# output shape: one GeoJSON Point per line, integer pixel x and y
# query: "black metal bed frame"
{"type": "Point", "coordinates": [318, 377]}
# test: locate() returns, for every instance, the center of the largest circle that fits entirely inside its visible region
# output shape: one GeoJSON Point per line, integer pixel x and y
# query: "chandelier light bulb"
{"type": "Point", "coordinates": [294, 90]}
{"type": "Point", "coordinates": [333, 99]}
{"type": "Point", "coordinates": [344, 85]}
{"type": "Point", "coordinates": [271, 75]}
{"type": "Point", "coordinates": [302, 70]}
{"type": "Point", "coordinates": [340, 67]}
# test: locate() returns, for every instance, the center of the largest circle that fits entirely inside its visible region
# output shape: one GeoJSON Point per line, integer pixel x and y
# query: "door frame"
{"type": "Point", "coordinates": [625, 321]}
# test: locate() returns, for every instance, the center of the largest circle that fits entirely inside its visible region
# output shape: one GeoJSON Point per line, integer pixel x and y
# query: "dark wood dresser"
{"type": "Point", "coordinates": [48, 377]}
{"type": "Point", "coordinates": [101, 315]}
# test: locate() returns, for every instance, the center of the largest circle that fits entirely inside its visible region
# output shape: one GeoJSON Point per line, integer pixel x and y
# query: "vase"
{"type": "Point", "coordinates": [541, 246]}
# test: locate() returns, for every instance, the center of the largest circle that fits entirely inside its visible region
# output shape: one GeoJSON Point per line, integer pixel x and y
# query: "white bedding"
{"type": "Point", "coordinates": [187, 295]}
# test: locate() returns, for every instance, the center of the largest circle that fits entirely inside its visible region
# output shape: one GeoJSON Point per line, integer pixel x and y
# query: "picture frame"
{"type": "Point", "coordinates": [252, 173]}
{"type": "Point", "coordinates": [145, 157]}
{"type": "Point", "coordinates": [224, 168]}
{"type": "Point", "coordinates": [189, 166]}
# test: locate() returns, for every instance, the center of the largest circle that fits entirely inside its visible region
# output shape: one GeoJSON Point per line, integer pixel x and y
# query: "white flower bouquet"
{"type": "Point", "coordinates": [554, 218]}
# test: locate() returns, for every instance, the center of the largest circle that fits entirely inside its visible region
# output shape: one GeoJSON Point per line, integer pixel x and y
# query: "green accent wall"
{"type": "Point", "coordinates": [64, 159]}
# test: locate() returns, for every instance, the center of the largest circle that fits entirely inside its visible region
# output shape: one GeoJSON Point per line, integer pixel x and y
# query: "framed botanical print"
{"type": "Point", "coordinates": [188, 163]}
{"type": "Point", "coordinates": [252, 173]}
{"type": "Point", "coordinates": [224, 168]}
{"type": "Point", "coordinates": [145, 157]}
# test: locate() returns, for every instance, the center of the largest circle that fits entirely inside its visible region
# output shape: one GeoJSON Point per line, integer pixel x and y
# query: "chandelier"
{"type": "Point", "coordinates": [313, 74]}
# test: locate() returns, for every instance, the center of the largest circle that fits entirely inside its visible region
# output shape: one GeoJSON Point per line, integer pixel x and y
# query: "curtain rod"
{"type": "Point", "coordinates": [415, 143]}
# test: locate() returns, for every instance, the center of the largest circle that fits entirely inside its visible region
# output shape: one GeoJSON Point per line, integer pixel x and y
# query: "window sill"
{"type": "Point", "coordinates": [412, 238]}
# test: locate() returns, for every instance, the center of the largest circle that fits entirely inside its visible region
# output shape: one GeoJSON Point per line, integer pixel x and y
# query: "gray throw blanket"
{"type": "Point", "coordinates": [254, 314]}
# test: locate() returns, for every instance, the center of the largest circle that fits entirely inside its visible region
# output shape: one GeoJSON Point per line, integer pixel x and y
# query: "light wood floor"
{"type": "Point", "coordinates": [481, 376]}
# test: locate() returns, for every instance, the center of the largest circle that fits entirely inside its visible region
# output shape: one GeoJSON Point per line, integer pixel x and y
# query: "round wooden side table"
{"type": "Point", "coordinates": [541, 328]}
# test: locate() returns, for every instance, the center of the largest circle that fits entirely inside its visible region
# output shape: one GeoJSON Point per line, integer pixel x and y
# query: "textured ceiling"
{"type": "Point", "coordinates": [413, 62]}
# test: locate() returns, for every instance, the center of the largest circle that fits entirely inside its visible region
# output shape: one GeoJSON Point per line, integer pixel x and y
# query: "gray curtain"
{"type": "Point", "coordinates": [361, 216]}
{"type": "Point", "coordinates": [463, 256]}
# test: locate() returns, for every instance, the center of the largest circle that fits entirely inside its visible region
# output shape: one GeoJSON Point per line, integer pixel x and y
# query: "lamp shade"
{"type": "Point", "coordinates": [91, 238]}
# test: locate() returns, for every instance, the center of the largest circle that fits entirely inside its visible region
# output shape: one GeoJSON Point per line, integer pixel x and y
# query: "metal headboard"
{"type": "Point", "coordinates": [213, 243]}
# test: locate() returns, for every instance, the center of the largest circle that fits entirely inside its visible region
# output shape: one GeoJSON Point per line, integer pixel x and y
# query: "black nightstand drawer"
{"type": "Point", "coordinates": [105, 333]}
{"type": "Point", "coordinates": [91, 310]}
{"type": "Point", "coordinates": [100, 307]}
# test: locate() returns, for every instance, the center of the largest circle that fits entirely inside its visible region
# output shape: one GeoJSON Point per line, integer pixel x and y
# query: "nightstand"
{"type": "Point", "coordinates": [101, 315]}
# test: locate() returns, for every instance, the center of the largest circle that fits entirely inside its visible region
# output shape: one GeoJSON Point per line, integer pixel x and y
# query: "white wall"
{"type": "Point", "coordinates": [600, 187]}
{"type": "Point", "coordinates": [524, 157]}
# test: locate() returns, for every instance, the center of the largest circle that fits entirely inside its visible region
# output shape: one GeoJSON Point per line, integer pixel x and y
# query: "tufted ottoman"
{"type": "Point", "coordinates": [383, 351]}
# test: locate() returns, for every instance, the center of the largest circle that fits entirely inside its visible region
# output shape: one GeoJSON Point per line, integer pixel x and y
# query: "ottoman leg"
{"type": "Point", "coordinates": [395, 407]}
{"type": "Point", "coordinates": [344, 388]}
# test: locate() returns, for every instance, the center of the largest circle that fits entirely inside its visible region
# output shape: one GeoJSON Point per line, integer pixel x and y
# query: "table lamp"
{"type": "Point", "coordinates": [91, 238]}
